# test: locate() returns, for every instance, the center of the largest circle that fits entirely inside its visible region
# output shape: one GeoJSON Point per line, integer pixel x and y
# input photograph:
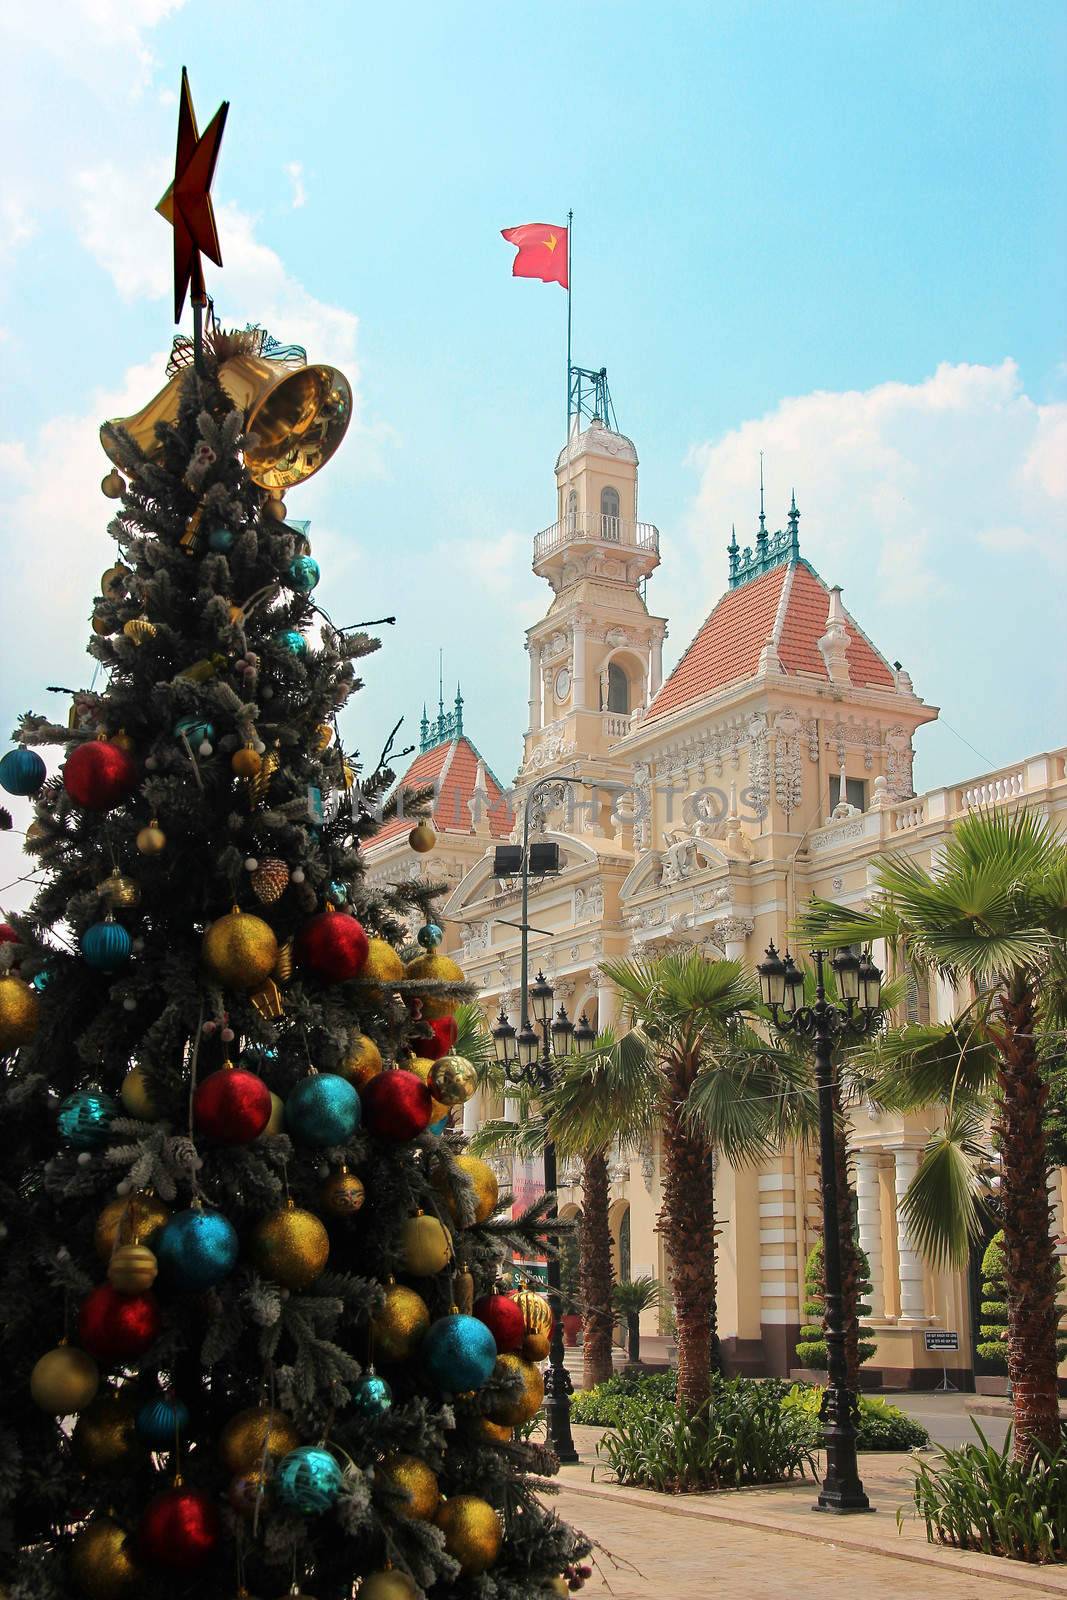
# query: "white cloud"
{"type": "Point", "coordinates": [294, 171]}
{"type": "Point", "coordinates": [94, 40]}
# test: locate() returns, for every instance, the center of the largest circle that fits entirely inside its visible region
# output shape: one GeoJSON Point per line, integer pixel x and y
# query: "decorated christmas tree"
{"type": "Point", "coordinates": [248, 1327]}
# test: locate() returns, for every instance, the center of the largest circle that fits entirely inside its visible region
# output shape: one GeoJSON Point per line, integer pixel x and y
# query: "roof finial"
{"type": "Point", "coordinates": [732, 552]}
{"type": "Point", "coordinates": [441, 682]}
{"type": "Point", "coordinates": [762, 519]}
{"type": "Point", "coordinates": [794, 529]}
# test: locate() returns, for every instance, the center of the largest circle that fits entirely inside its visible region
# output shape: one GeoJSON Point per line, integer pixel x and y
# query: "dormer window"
{"type": "Point", "coordinates": [609, 513]}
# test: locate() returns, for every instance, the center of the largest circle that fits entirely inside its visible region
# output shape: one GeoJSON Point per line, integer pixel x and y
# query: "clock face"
{"type": "Point", "coordinates": [563, 683]}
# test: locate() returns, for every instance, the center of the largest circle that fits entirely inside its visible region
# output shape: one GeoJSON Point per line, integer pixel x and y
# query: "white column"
{"type": "Point", "coordinates": [607, 1006]}
{"type": "Point", "coordinates": [578, 691]}
{"type": "Point", "coordinates": [656, 667]}
{"type": "Point", "coordinates": [912, 1300]}
{"type": "Point", "coordinates": [535, 686]}
{"type": "Point", "coordinates": [472, 1115]}
{"type": "Point", "coordinates": [869, 1218]}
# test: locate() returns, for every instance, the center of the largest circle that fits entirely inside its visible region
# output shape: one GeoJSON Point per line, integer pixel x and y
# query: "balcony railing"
{"type": "Point", "coordinates": [592, 526]}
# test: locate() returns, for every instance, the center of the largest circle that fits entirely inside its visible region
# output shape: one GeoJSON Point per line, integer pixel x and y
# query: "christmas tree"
{"type": "Point", "coordinates": [248, 1326]}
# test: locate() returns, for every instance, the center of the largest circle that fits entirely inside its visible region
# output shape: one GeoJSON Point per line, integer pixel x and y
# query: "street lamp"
{"type": "Point", "coordinates": [782, 990]}
{"type": "Point", "coordinates": [533, 1063]}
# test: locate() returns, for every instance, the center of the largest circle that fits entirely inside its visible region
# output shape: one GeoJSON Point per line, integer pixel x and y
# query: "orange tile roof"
{"type": "Point", "coordinates": [727, 648]}
{"type": "Point", "coordinates": [451, 769]}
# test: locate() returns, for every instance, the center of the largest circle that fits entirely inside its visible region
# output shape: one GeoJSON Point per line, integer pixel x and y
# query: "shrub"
{"type": "Point", "coordinates": [743, 1436]}
{"type": "Point", "coordinates": [811, 1345]}
{"type": "Point", "coordinates": [978, 1498]}
{"type": "Point", "coordinates": [880, 1426]}
{"type": "Point", "coordinates": [992, 1345]}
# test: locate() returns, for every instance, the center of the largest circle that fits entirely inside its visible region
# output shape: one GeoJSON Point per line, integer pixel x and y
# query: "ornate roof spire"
{"type": "Point", "coordinates": [447, 725]}
{"type": "Point", "coordinates": [762, 534]}
{"type": "Point", "coordinates": [733, 551]}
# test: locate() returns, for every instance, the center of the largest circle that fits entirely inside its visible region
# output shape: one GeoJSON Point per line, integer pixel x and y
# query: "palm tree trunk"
{"type": "Point", "coordinates": [850, 1261]}
{"type": "Point", "coordinates": [594, 1271]}
{"type": "Point", "coordinates": [687, 1222]}
{"type": "Point", "coordinates": [1030, 1267]}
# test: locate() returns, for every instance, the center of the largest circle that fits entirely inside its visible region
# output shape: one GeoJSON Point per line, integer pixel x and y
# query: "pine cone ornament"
{"type": "Point", "coordinates": [270, 880]}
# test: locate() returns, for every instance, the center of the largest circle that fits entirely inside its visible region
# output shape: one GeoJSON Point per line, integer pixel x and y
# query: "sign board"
{"type": "Point", "coordinates": [941, 1339]}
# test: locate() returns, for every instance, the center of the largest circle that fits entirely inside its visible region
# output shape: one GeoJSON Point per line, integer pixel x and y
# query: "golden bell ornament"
{"type": "Point", "coordinates": [131, 1219]}
{"type": "Point", "coordinates": [417, 1481]}
{"type": "Point", "coordinates": [382, 966]}
{"type": "Point", "coordinates": [453, 1080]}
{"type": "Point", "coordinates": [105, 1433]}
{"type": "Point", "coordinates": [425, 1246]}
{"type": "Point", "coordinates": [494, 1432]}
{"type": "Point", "coordinates": [422, 1068]}
{"type": "Point", "coordinates": [398, 1328]}
{"type": "Point", "coordinates": [151, 840]}
{"type": "Point", "coordinates": [136, 1096]}
{"type": "Point", "coordinates": [362, 1061]}
{"type": "Point", "coordinates": [433, 967]}
{"type": "Point", "coordinates": [113, 485]}
{"type": "Point", "coordinates": [240, 950]}
{"type": "Point", "coordinates": [283, 967]}
{"type": "Point", "coordinates": [343, 1194]}
{"type": "Point", "coordinates": [472, 1530]}
{"type": "Point", "coordinates": [530, 1399]}
{"type": "Point", "coordinates": [246, 763]}
{"type": "Point", "coordinates": [65, 1380]}
{"type": "Point", "coordinates": [139, 629]}
{"type": "Point", "coordinates": [535, 1346]}
{"type": "Point", "coordinates": [102, 1563]}
{"type": "Point", "coordinates": [259, 785]}
{"type": "Point", "coordinates": [251, 1435]}
{"type": "Point", "coordinates": [132, 1269]}
{"type": "Point", "coordinates": [270, 880]}
{"type": "Point", "coordinates": [322, 738]}
{"type": "Point", "coordinates": [391, 1584]}
{"type": "Point", "coordinates": [423, 836]}
{"type": "Point", "coordinates": [276, 1120]}
{"type": "Point", "coordinates": [486, 1188]}
{"type": "Point", "coordinates": [291, 1248]}
{"type": "Point", "coordinates": [20, 1013]}
{"type": "Point", "coordinates": [118, 889]}
{"type": "Point", "coordinates": [536, 1311]}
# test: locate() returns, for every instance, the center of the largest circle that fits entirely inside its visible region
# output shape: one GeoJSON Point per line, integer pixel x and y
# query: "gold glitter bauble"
{"type": "Point", "coordinates": [136, 1096]}
{"type": "Point", "coordinates": [246, 762]}
{"type": "Point", "coordinates": [453, 1080]}
{"type": "Point", "coordinates": [560, 1586]}
{"type": "Point", "coordinates": [101, 1561]}
{"type": "Point", "coordinates": [270, 880]}
{"type": "Point", "coordinates": [425, 1246]}
{"type": "Point", "coordinates": [291, 1248]}
{"type": "Point", "coordinates": [528, 1402]}
{"type": "Point", "coordinates": [240, 950]}
{"type": "Point", "coordinates": [494, 1432]}
{"type": "Point", "coordinates": [105, 1434]}
{"type": "Point", "coordinates": [322, 738]}
{"type": "Point", "coordinates": [472, 1530]}
{"type": "Point", "coordinates": [276, 1121]}
{"type": "Point", "coordinates": [382, 966]}
{"type": "Point", "coordinates": [151, 840]}
{"type": "Point", "coordinates": [250, 1434]}
{"type": "Point", "coordinates": [132, 1269]}
{"type": "Point", "coordinates": [536, 1311]}
{"type": "Point", "coordinates": [433, 967]}
{"type": "Point", "coordinates": [343, 1194]}
{"type": "Point", "coordinates": [417, 1481]}
{"type": "Point", "coordinates": [486, 1188]}
{"type": "Point", "coordinates": [65, 1380]}
{"type": "Point", "coordinates": [117, 889]}
{"type": "Point", "coordinates": [19, 1013]}
{"type": "Point", "coordinates": [389, 1585]}
{"type": "Point", "coordinates": [362, 1061]}
{"type": "Point", "coordinates": [133, 1219]}
{"type": "Point", "coordinates": [421, 1066]}
{"type": "Point", "coordinates": [422, 837]}
{"type": "Point", "coordinates": [398, 1328]}
{"type": "Point", "coordinates": [535, 1346]}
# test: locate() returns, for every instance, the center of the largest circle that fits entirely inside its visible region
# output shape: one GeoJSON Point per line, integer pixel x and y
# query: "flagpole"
{"type": "Point", "coordinates": [570, 280]}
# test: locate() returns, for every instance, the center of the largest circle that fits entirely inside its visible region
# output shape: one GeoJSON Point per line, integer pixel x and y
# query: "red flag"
{"type": "Point", "coordinates": [542, 252]}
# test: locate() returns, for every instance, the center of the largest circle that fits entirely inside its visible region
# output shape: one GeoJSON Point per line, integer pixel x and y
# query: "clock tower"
{"type": "Point", "coordinates": [596, 657]}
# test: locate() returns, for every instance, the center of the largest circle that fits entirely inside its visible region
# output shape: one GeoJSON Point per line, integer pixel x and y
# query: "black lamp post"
{"type": "Point", "coordinates": [531, 1058]}
{"type": "Point", "coordinates": [859, 985]}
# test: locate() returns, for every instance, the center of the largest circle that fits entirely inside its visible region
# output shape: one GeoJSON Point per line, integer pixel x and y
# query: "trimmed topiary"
{"type": "Point", "coordinates": [992, 1344]}
{"type": "Point", "coordinates": [811, 1345]}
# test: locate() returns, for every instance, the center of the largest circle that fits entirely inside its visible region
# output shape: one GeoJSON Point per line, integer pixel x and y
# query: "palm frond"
{"type": "Point", "coordinates": [942, 1208]}
{"type": "Point", "coordinates": [614, 1093]}
{"type": "Point", "coordinates": [524, 1139]}
{"type": "Point", "coordinates": [826, 924]}
{"type": "Point", "coordinates": [923, 1063]}
{"type": "Point", "coordinates": [474, 1042]}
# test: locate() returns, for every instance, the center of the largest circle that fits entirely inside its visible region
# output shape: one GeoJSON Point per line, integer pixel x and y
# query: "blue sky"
{"type": "Point", "coordinates": [833, 231]}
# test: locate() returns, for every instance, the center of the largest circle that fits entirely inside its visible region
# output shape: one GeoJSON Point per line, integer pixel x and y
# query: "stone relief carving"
{"type": "Point", "coordinates": [476, 937]}
{"type": "Point", "coordinates": [759, 764]}
{"type": "Point", "coordinates": [898, 763]}
{"type": "Point", "coordinates": [788, 788]}
{"type": "Point", "coordinates": [845, 830]}
{"type": "Point", "coordinates": [588, 903]}
{"type": "Point", "coordinates": [730, 930]}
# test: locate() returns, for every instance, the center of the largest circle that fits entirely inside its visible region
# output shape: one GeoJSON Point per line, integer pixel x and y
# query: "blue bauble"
{"type": "Point", "coordinates": [303, 573]}
{"type": "Point", "coordinates": [458, 1353]}
{"type": "Point", "coordinates": [307, 1480]}
{"type": "Point", "coordinates": [196, 730]}
{"type": "Point", "coordinates": [106, 946]}
{"type": "Point", "coordinates": [337, 891]}
{"type": "Point", "coordinates": [430, 936]}
{"type": "Point", "coordinates": [197, 1250]}
{"type": "Point", "coordinates": [84, 1119]}
{"type": "Point", "coordinates": [322, 1110]}
{"type": "Point", "coordinates": [439, 1127]}
{"type": "Point", "coordinates": [292, 640]}
{"type": "Point", "coordinates": [221, 541]}
{"type": "Point", "coordinates": [371, 1395]}
{"type": "Point", "coordinates": [22, 772]}
{"type": "Point", "coordinates": [42, 979]}
{"type": "Point", "coordinates": [162, 1422]}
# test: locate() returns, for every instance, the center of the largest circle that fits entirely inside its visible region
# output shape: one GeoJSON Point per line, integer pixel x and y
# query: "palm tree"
{"type": "Point", "coordinates": [679, 1069]}
{"type": "Point", "coordinates": [629, 1299]}
{"type": "Point", "coordinates": [994, 916]}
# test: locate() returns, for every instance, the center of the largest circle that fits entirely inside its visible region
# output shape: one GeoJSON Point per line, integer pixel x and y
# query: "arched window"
{"type": "Point", "coordinates": [618, 688]}
{"type": "Point", "coordinates": [572, 510]}
{"type": "Point", "coordinates": [609, 513]}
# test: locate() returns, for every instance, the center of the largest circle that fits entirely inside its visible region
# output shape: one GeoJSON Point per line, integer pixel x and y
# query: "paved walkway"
{"type": "Point", "coordinates": [766, 1544]}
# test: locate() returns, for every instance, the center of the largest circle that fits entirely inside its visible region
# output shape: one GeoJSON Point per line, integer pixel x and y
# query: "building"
{"type": "Point", "coordinates": [773, 763]}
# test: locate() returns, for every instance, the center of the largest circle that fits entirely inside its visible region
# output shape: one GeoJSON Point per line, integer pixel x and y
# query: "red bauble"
{"type": "Point", "coordinates": [179, 1529]}
{"type": "Point", "coordinates": [445, 1034]}
{"type": "Point", "coordinates": [504, 1319]}
{"type": "Point", "coordinates": [332, 947]}
{"type": "Point", "coordinates": [8, 934]}
{"type": "Point", "coordinates": [99, 775]}
{"type": "Point", "coordinates": [232, 1106]}
{"type": "Point", "coordinates": [113, 1326]}
{"type": "Point", "coordinates": [396, 1105]}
